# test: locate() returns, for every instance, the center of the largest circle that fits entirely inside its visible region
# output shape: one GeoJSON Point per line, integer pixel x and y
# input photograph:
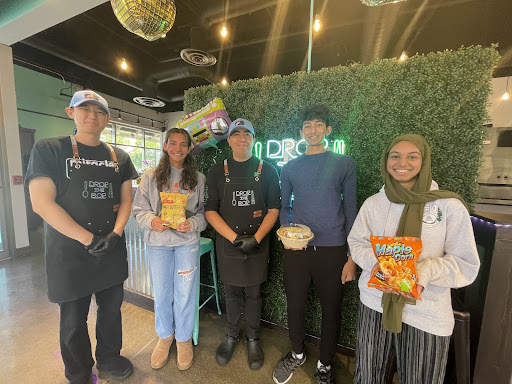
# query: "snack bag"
{"type": "Point", "coordinates": [396, 268]}
{"type": "Point", "coordinates": [174, 206]}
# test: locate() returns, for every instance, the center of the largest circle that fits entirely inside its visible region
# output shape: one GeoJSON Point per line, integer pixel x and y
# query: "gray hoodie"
{"type": "Point", "coordinates": [147, 205]}
{"type": "Point", "coordinates": [449, 258]}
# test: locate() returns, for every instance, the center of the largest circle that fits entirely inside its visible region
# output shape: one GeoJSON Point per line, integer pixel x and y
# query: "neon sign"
{"type": "Point", "coordinates": [288, 149]}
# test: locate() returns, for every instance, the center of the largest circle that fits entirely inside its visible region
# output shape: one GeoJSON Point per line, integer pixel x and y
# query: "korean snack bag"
{"type": "Point", "coordinates": [396, 268]}
{"type": "Point", "coordinates": [174, 206]}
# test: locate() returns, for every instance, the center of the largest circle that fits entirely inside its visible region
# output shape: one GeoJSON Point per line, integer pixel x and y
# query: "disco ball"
{"type": "Point", "coordinates": [373, 3]}
{"type": "Point", "coordinates": [150, 19]}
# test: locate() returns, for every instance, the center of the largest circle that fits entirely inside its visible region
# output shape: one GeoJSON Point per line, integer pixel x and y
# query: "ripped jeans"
{"type": "Point", "coordinates": [173, 272]}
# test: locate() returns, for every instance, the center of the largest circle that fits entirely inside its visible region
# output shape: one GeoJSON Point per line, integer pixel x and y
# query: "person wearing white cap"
{"type": "Point", "coordinates": [243, 206]}
{"type": "Point", "coordinates": [82, 188]}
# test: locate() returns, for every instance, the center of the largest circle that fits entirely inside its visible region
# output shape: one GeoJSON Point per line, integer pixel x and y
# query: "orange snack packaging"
{"type": "Point", "coordinates": [396, 268]}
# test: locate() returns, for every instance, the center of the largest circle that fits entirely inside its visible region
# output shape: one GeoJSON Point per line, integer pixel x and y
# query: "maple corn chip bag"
{"type": "Point", "coordinates": [396, 268]}
{"type": "Point", "coordinates": [174, 206]}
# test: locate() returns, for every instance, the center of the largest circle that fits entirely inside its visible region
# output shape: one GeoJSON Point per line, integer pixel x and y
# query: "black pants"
{"type": "Point", "coordinates": [252, 310]}
{"type": "Point", "coordinates": [323, 267]}
{"type": "Point", "coordinates": [75, 344]}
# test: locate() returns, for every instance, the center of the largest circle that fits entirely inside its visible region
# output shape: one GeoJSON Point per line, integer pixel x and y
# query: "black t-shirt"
{"type": "Point", "coordinates": [71, 271]}
{"type": "Point", "coordinates": [52, 158]}
{"type": "Point", "coordinates": [269, 182]}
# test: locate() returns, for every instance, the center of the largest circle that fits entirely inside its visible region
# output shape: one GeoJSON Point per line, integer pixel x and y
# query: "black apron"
{"type": "Point", "coordinates": [243, 209]}
{"type": "Point", "coordinates": [92, 200]}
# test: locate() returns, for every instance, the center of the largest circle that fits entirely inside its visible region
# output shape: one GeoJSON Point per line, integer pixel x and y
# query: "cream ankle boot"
{"type": "Point", "coordinates": [185, 354]}
{"type": "Point", "coordinates": [161, 352]}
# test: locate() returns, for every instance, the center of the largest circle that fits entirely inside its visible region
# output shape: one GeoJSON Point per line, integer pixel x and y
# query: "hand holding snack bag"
{"type": "Point", "coordinates": [396, 267]}
{"type": "Point", "coordinates": [174, 206]}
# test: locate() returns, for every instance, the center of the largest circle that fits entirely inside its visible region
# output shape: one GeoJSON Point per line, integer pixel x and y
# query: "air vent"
{"type": "Point", "coordinates": [149, 102]}
{"type": "Point", "coordinates": [197, 57]}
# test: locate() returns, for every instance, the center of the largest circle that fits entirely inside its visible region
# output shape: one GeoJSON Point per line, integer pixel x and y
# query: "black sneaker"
{"type": "Point", "coordinates": [285, 368]}
{"type": "Point", "coordinates": [225, 350]}
{"type": "Point", "coordinates": [118, 369]}
{"type": "Point", "coordinates": [324, 376]}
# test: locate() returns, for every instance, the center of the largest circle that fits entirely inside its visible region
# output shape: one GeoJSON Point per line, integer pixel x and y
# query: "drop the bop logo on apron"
{"type": "Point", "coordinates": [243, 198]}
{"type": "Point", "coordinates": [97, 190]}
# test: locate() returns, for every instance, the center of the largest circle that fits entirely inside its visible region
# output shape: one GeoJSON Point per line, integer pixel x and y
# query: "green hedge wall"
{"type": "Point", "coordinates": [440, 95]}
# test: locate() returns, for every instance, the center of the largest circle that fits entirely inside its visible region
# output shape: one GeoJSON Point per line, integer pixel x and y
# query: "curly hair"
{"type": "Point", "coordinates": [163, 169]}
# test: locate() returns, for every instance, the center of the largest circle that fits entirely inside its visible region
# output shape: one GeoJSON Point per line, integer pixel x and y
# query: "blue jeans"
{"type": "Point", "coordinates": [174, 277]}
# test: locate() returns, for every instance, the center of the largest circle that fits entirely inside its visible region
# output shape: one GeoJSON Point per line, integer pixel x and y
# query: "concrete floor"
{"type": "Point", "coordinates": [30, 344]}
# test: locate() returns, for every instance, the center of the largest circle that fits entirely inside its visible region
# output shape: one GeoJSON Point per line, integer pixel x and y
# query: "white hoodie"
{"type": "Point", "coordinates": [449, 258]}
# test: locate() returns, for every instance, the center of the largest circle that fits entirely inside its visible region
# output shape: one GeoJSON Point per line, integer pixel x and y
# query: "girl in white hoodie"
{"type": "Point", "coordinates": [410, 204]}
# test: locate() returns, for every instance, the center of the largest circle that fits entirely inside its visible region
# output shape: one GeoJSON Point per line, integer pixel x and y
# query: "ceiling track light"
{"type": "Point", "coordinates": [317, 24]}
{"type": "Point", "coordinates": [224, 31]}
{"type": "Point", "coordinates": [506, 95]}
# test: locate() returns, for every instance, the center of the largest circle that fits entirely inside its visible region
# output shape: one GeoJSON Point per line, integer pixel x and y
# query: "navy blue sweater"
{"type": "Point", "coordinates": [324, 196]}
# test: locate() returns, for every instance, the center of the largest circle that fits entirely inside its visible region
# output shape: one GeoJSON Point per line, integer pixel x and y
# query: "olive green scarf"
{"type": "Point", "coordinates": [412, 216]}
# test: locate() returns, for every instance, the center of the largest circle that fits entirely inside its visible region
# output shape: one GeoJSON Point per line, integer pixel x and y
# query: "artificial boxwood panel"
{"type": "Point", "coordinates": [440, 95]}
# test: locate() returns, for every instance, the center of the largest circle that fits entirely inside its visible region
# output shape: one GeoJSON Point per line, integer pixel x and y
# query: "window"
{"type": "Point", "coordinates": [143, 145]}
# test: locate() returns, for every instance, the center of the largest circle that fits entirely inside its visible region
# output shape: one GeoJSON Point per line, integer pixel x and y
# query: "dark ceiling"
{"type": "Point", "coordinates": [266, 37]}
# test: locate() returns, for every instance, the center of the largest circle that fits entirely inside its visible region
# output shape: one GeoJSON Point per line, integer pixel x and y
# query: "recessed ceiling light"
{"type": "Point", "coordinates": [124, 64]}
{"type": "Point", "coordinates": [224, 32]}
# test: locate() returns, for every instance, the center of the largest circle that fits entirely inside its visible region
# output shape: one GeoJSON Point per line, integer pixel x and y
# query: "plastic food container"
{"type": "Point", "coordinates": [295, 235]}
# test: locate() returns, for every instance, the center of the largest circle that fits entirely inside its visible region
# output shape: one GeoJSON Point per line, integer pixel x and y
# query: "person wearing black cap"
{"type": "Point", "coordinates": [82, 188]}
{"type": "Point", "coordinates": [243, 206]}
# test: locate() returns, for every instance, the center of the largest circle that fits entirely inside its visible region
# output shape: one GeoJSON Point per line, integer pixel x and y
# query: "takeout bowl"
{"type": "Point", "coordinates": [295, 242]}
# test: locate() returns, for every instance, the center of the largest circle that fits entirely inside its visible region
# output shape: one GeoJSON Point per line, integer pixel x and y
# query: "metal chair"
{"type": "Point", "coordinates": [206, 246]}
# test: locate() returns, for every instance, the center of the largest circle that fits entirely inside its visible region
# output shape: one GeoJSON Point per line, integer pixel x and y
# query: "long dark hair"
{"type": "Point", "coordinates": [163, 169]}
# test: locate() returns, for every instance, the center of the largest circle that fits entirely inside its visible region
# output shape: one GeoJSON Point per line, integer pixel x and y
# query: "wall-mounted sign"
{"type": "Point", "coordinates": [288, 149]}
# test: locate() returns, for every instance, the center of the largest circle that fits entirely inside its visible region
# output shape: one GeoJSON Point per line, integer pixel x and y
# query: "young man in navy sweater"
{"type": "Point", "coordinates": [323, 185]}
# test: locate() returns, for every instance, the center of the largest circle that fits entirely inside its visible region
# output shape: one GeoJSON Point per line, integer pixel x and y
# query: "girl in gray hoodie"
{"type": "Point", "coordinates": [172, 253]}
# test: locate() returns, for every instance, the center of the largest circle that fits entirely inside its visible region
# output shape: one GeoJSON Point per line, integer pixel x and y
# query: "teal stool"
{"type": "Point", "coordinates": [206, 245]}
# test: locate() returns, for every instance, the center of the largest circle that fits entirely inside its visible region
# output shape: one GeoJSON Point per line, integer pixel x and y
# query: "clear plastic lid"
{"type": "Point", "coordinates": [295, 231]}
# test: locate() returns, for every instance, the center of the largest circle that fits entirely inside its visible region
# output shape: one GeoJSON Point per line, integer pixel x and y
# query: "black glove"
{"type": "Point", "coordinates": [246, 243]}
{"type": "Point", "coordinates": [101, 245]}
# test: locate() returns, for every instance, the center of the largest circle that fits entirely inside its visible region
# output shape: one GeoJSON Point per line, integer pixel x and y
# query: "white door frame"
{"type": "Point", "coordinates": [5, 207]}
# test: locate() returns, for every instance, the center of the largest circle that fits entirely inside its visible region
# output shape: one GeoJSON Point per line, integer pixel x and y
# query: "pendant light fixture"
{"type": "Point", "coordinates": [150, 19]}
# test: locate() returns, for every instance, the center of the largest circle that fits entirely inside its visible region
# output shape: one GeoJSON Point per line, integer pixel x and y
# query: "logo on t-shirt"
{"type": "Point", "coordinates": [71, 161]}
{"type": "Point", "coordinates": [432, 215]}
